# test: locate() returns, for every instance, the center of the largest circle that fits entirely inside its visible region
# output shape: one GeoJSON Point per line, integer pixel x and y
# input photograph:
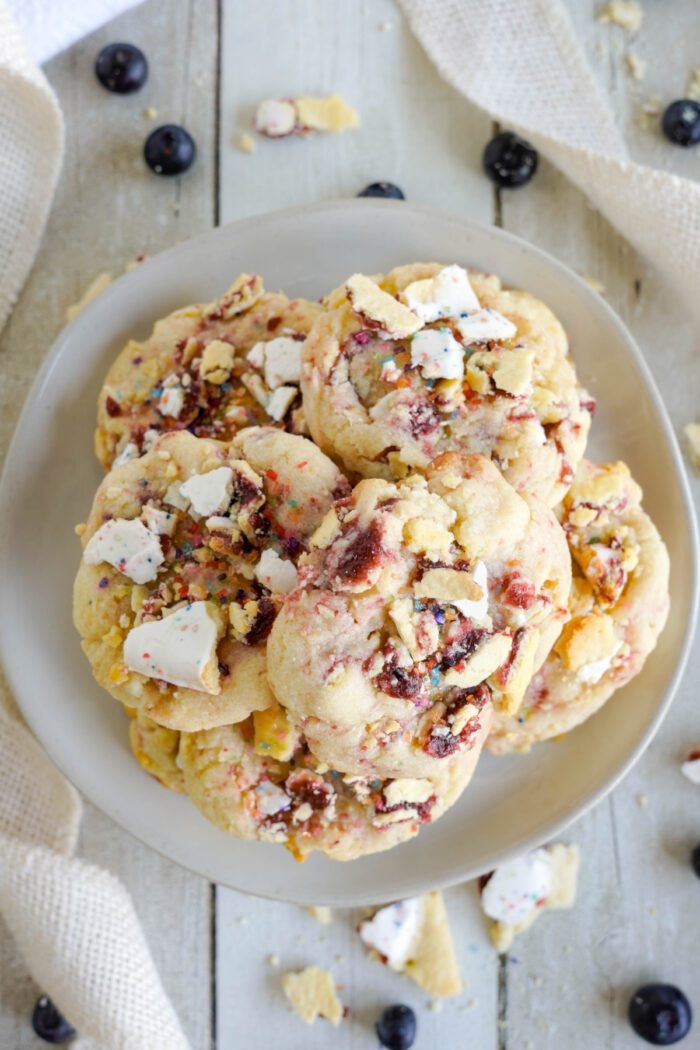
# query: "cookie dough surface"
{"type": "Point", "coordinates": [421, 602]}
{"type": "Point", "coordinates": [211, 369]}
{"type": "Point", "coordinates": [187, 554]}
{"type": "Point", "coordinates": [155, 749]}
{"type": "Point", "coordinates": [488, 372]}
{"type": "Point", "coordinates": [619, 603]}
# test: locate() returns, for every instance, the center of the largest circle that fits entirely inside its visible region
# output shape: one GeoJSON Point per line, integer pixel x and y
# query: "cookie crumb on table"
{"type": "Point", "coordinates": [246, 143]}
{"type": "Point", "coordinates": [311, 993]}
{"type": "Point", "coordinates": [321, 913]}
{"type": "Point", "coordinates": [635, 66]}
{"type": "Point", "coordinates": [647, 117]}
{"type": "Point", "coordinates": [692, 433]}
{"type": "Point", "coordinates": [627, 14]}
{"type": "Point", "coordinates": [150, 112]}
{"type": "Point", "coordinates": [693, 87]}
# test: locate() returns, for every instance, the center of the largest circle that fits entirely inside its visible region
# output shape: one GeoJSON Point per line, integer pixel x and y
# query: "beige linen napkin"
{"type": "Point", "coordinates": [521, 62]}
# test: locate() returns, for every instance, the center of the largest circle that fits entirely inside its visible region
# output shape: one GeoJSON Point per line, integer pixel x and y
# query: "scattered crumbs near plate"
{"type": "Point", "coordinates": [96, 286]}
{"type": "Point", "coordinates": [649, 112]}
{"type": "Point", "coordinates": [642, 801]}
{"type": "Point", "coordinates": [692, 435]}
{"type": "Point", "coordinates": [340, 958]}
{"type": "Point", "coordinates": [311, 994]}
{"type": "Point", "coordinates": [593, 283]}
{"type": "Point", "coordinates": [471, 1004]}
{"type": "Point", "coordinates": [386, 27]}
{"type": "Point", "coordinates": [635, 65]}
{"type": "Point", "coordinates": [652, 909]}
{"type": "Point", "coordinates": [693, 86]}
{"type": "Point", "coordinates": [243, 920]}
{"type": "Point", "coordinates": [435, 1005]}
{"type": "Point", "coordinates": [537, 981]}
{"type": "Point", "coordinates": [150, 112]}
{"type": "Point", "coordinates": [321, 913]}
{"type": "Point", "coordinates": [273, 960]}
{"type": "Point", "coordinates": [627, 14]}
{"type": "Point", "coordinates": [568, 949]}
{"type": "Point", "coordinates": [246, 143]}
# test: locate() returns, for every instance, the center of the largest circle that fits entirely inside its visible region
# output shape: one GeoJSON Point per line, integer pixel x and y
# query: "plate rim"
{"type": "Point", "coordinates": [454, 873]}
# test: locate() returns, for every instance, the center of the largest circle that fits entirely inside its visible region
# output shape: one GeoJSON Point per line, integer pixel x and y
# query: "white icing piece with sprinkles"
{"type": "Point", "coordinates": [127, 545]}
{"type": "Point", "coordinates": [162, 522]}
{"type": "Point", "coordinates": [279, 402]}
{"type": "Point", "coordinates": [438, 354]}
{"type": "Point", "coordinates": [275, 117]}
{"type": "Point", "coordinates": [392, 930]}
{"type": "Point", "coordinates": [180, 648]}
{"type": "Point", "coordinates": [209, 493]}
{"type": "Point", "coordinates": [271, 799]}
{"type": "Point", "coordinates": [275, 573]}
{"type": "Point", "coordinates": [130, 451]}
{"type": "Point", "coordinates": [172, 400]}
{"type": "Point", "coordinates": [282, 361]}
{"type": "Point", "coordinates": [476, 609]}
{"type": "Point", "coordinates": [518, 888]}
{"type": "Point", "coordinates": [485, 325]}
{"type": "Point", "coordinates": [448, 294]}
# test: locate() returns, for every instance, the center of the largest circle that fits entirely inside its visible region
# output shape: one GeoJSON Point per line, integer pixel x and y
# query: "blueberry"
{"type": "Point", "coordinates": [383, 189]}
{"type": "Point", "coordinates": [169, 150]}
{"type": "Point", "coordinates": [396, 1027]}
{"type": "Point", "coordinates": [695, 860]}
{"type": "Point", "coordinates": [681, 122]}
{"type": "Point", "coordinates": [121, 68]}
{"type": "Point", "coordinates": [509, 161]}
{"type": "Point", "coordinates": [49, 1024]}
{"type": "Point", "coordinates": [660, 1013]}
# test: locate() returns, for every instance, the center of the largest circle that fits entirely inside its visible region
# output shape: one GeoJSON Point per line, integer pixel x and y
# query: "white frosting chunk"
{"type": "Point", "coordinates": [279, 402]}
{"type": "Point", "coordinates": [591, 673]}
{"type": "Point", "coordinates": [275, 117]}
{"type": "Point", "coordinates": [691, 769]}
{"type": "Point", "coordinates": [483, 325]}
{"type": "Point", "coordinates": [271, 798]}
{"type": "Point", "coordinates": [130, 451]}
{"type": "Point", "coordinates": [448, 294]}
{"type": "Point", "coordinates": [390, 373]}
{"type": "Point", "coordinates": [127, 545]}
{"type": "Point", "coordinates": [172, 400]}
{"type": "Point", "coordinates": [438, 354]}
{"type": "Point", "coordinates": [275, 573]}
{"type": "Point", "coordinates": [517, 888]}
{"type": "Point", "coordinates": [282, 361]}
{"type": "Point", "coordinates": [256, 355]}
{"type": "Point", "coordinates": [476, 609]}
{"type": "Point", "coordinates": [162, 522]}
{"type": "Point", "coordinates": [209, 493]}
{"type": "Point", "coordinates": [392, 931]}
{"type": "Point", "coordinates": [174, 498]}
{"type": "Point", "coordinates": [180, 648]}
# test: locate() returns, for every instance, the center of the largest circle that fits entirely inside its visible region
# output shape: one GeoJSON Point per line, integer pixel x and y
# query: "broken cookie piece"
{"type": "Point", "coordinates": [413, 937]}
{"type": "Point", "coordinates": [278, 117]}
{"type": "Point", "coordinates": [516, 893]}
{"type": "Point", "coordinates": [311, 993]}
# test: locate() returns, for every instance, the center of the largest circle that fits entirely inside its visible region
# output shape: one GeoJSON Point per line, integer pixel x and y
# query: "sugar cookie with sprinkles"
{"type": "Point", "coordinates": [619, 604]}
{"type": "Point", "coordinates": [187, 554]}
{"type": "Point", "coordinates": [258, 780]}
{"type": "Point", "coordinates": [211, 369]}
{"type": "Point", "coordinates": [422, 601]}
{"type": "Point", "coordinates": [155, 749]}
{"type": "Point", "coordinates": [431, 359]}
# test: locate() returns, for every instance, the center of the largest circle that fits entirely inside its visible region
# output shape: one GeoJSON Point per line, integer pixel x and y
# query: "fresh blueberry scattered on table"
{"type": "Point", "coordinates": [49, 1023]}
{"type": "Point", "coordinates": [396, 1027]}
{"type": "Point", "coordinates": [383, 189]}
{"type": "Point", "coordinates": [660, 1014]}
{"type": "Point", "coordinates": [121, 68]}
{"type": "Point", "coordinates": [509, 161]}
{"type": "Point", "coordinates": [695, 860]}
{"type": "Point", "coordinates": [169, 150]}
{"type": "Point", "coordinates": [681, 122]}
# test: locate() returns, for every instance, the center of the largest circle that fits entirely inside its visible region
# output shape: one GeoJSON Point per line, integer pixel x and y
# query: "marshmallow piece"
{"type": "Point", "coordinates": [127, 545]}
{"type": "Point", "coordinates": [373, 304]}
{"type": "Point", "coordinates": [438, 354]}
{"type": "Point", "coordinates": [209, 493]}
{"type": "Point", "coordinates": [482, 326]}
{"type": "Point", "coordinates": [172, 401]}
{"type": "Point", "coordinates": [279, 402]}
{"type": "Point", "coordinates": [275, 573]}
{"type": "Point", "coordinates": [448, 294]}
{"type": "Point", "coordinates": [275, 117]}
{"type": "Point", "coordinates": [162, 522]}
{"type": "Point", "coordinates": [282, 361]}
{"type": "Point", "coordinates": [130, 451]}
{"type": "Point", "coordinates": [180, 648]}
{"type": "Point", "coordinates": [516, 889]}
{"type": "Point", "coordinates": [392, 931]}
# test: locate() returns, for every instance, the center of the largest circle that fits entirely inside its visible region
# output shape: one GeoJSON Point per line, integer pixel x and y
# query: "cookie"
{"type": "Point", "coordinates": [619, 603]}
{"type": "Point", "coordinates": [187, 553]}
{"type": "Point", "coordinates": [421, 601]}
{"type": "Point", "coordinates": [155, 749]}
{"type": "Point", "coordinates": [212, 369]}
{"type": "Point", "coordinates": [429, 359]}
{"type": "Point", "coordinates": [232, 776]}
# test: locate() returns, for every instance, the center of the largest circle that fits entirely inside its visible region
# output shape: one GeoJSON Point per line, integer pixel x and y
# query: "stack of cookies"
{"type": "Point", "coordinates": [343, 547]}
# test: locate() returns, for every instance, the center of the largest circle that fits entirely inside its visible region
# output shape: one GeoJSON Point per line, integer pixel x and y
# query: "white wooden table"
{"type": "Point", "coordinates": [566, 984]}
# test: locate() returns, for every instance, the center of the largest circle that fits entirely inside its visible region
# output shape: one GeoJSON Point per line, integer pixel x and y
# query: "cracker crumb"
{"type": "Point", "coordinates": [150, 112]}
{"type": "Point", "coordinates": [311, 993]}
{"type": "Point", "coordinates": [627, 14]}
{"type": "Point", "coordinates": [246, 143]}
{"type": "Point", "coordinates": [273, 960]}
{"type": "Point", "coordinates": [642, 801]}
{"type": "Point", "coordinates": [635, 66]}
{"type": "Point", "coordinates": [321, 913]}
{"type": "Point", "coordinates": [693, 88]}
{"type": "Point", "coordinates": [95, 288]}
{"type": "Point", "coordinates": [435, 1005]}
{"type": "Point", "coordinates": [593, 283]}
{"type": "Point", "coordinates": [650, 109]}
{"type": "Point", "coordinates": [692, 433]}
{"type": "Point", "coordinates": [80, 528]}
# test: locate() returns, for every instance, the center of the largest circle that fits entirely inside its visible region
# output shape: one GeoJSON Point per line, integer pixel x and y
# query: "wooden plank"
{"type": "Point", "coordinates": [110, 208]}
{"type": "Point", "coordinates": [575, 971]}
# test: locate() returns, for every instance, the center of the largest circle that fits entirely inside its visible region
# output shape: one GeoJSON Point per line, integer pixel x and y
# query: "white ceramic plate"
{"type": "Point", "coordinates": [513, 803]}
